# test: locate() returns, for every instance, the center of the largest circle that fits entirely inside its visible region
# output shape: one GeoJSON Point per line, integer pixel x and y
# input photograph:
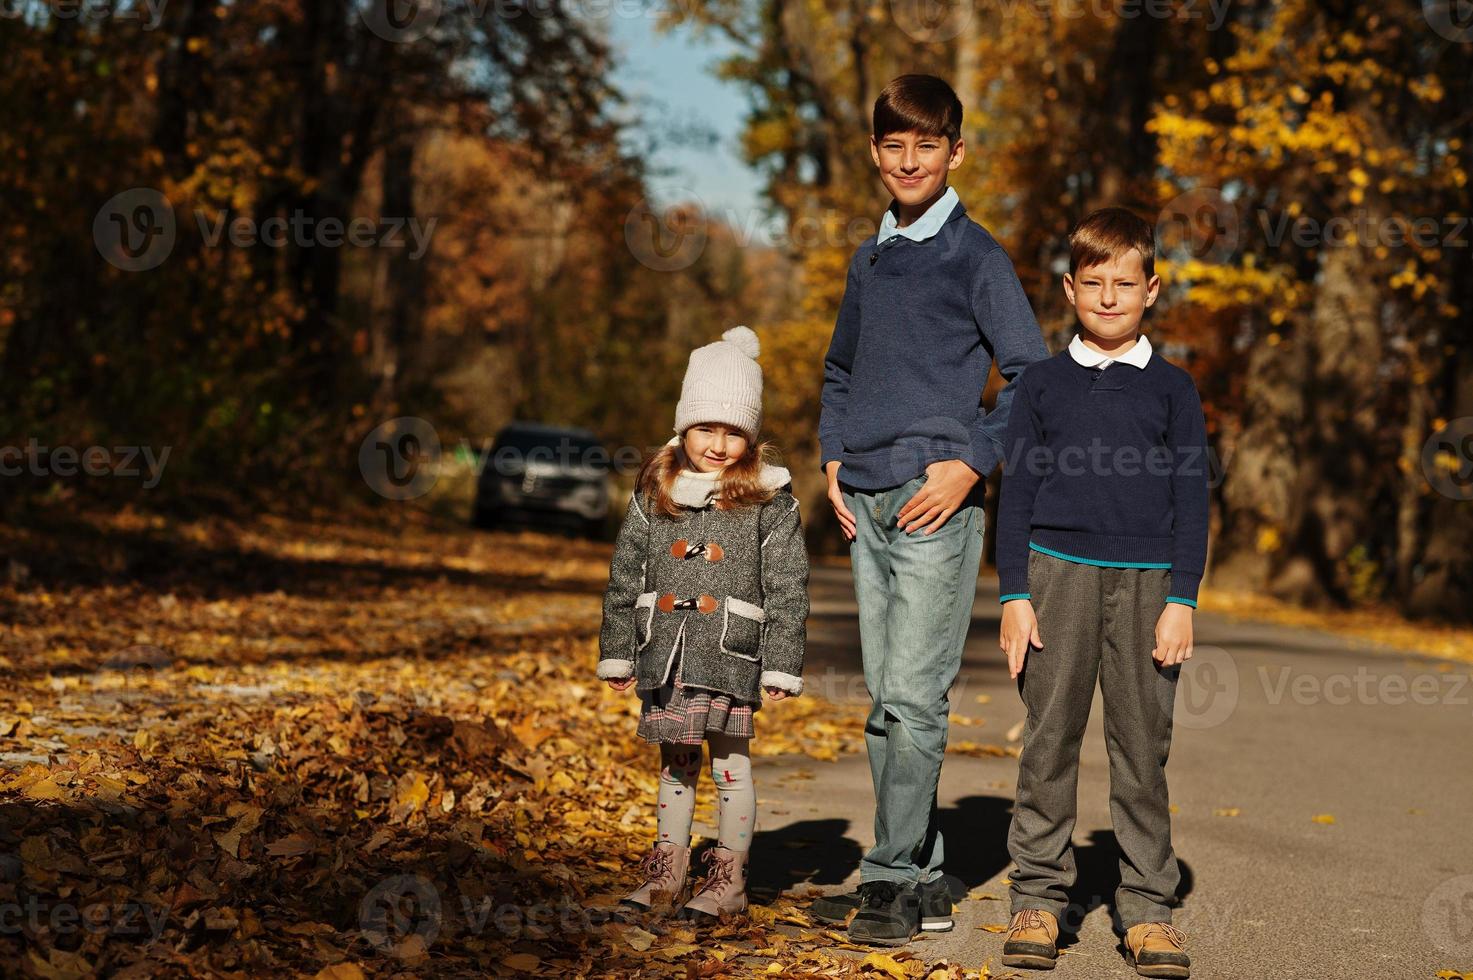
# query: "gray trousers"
{"type": "Point", "coordinates": [1095, 623]}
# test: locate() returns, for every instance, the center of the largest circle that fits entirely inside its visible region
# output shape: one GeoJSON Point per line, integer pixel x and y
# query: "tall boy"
{"type": "Point", "coordinates": [930, 302]}
{"type": "Point", "coordinates": [1099, 563]}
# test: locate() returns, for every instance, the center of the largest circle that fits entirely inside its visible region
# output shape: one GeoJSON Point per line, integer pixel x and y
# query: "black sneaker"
{"type": "Point", "coordinates": [834, 909]}
{"type": "Point", "coordinates": [889, 914]}
{"type": "Point", "coordinates": [935, 906]}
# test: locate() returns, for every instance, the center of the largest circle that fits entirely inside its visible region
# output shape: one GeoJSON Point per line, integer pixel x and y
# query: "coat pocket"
{"type": "Point", "coordinates": [741, 629]}
{"type": "Point", "coordinates": [644, 618]}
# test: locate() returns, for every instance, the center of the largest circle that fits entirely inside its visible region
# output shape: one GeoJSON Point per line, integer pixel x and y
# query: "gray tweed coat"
{"type": "Point", "coordinates": [731, 586]}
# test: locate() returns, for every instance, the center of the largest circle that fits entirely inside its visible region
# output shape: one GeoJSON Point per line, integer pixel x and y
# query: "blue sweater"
{"type": "Point", "coordinates": [918, 329]}
{"type": "Point", "coordinates": [1105, 467]}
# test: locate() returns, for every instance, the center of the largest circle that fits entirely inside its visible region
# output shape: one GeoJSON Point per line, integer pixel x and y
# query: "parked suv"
{"type": "Point", "coordinates": [544, 474]}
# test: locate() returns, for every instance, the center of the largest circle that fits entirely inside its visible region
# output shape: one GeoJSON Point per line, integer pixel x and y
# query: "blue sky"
{"type": "Point", "coordinates": [672, 90]}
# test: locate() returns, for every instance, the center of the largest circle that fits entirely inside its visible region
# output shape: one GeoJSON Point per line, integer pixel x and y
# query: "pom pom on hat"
{"type": "Point", "coordinates": [744, 340]}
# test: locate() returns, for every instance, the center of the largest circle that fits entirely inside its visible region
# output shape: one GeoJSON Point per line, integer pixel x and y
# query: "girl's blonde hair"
{"type": "Point", "coordinates": [740, 482]}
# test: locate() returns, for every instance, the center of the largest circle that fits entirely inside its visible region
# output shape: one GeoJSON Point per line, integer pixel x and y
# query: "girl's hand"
{"type": "Point", "coordinates": [776, 693]}
{"type": "Point", "coordinates": [1019, 631]}
{"type": "Point", "coordinates": [621, 684]}
{"type": "Point", "coordinates": [1173, 635]}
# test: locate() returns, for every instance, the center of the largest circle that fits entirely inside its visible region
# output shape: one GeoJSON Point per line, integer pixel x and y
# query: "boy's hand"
{"type": "Point", "coordinates": [1173, 635]}
{"type": "Point", "coordinates": [836, 499]}
{"type": "Point", "coordinates": [776, 693]}
{"type": "Point", "coordinates": [1019, 630]}
{"type": "Point", "coordinates": [947, 485]}
{"type": "Point", "coordinates": [621, 684]}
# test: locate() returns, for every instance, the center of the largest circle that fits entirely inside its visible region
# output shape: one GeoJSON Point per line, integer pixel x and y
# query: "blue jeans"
{"type": "Point", "coordinates": [915, 595]}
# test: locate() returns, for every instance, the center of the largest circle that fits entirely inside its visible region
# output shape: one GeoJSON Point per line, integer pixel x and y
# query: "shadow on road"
{"type": "Point", "coordinates": [813, 852]}
{"type": "Point", "coordinates": [975, 831]}
{"type": "Point", "coordinates": [1099, 875]}
{"type": "Point", "coordinates": [819, 852]}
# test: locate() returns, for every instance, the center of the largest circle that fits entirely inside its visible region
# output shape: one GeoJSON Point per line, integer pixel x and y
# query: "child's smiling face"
{"type": "Point", "coordinates": [913, 165]}
{"type": "Point", "coordinates": [712, 446]}
{"type": "Point", "coordinates": [1111, 297]}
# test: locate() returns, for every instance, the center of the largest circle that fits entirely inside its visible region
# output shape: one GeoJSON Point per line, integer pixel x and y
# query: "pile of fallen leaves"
{"type": "Point", "coordinates": [338, 749]}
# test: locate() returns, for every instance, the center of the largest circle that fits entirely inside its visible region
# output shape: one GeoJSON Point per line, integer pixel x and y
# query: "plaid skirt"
{"type": "Point", "coordinates": [680, 715]}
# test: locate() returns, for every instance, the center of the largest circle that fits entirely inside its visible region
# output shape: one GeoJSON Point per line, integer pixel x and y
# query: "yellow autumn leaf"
{"type": "Point", "coordinates": [1226, 811]}
{"type": "Point", "coordinates": [638, 939]}
{"type": "Point", "coordinates": [1323, 818]}
{"type": "Point", "coordinates": [523, 962]}
{"type": "Point", "coordinates": [992, 927]}
{"type": "Point", "coordinates": [762, 915]}
{"type": "Point", "coordinates": [340, 971]}
{"type": "Point", "coordinates": [884, 963]}
{"type": "Point", "coordinates": [45, 789]}
{"type": "Point", "coordinates": [413, 793]}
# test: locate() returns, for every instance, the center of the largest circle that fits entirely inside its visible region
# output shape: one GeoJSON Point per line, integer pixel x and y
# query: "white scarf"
{"type": "Point", "coordinates": [693, 488]}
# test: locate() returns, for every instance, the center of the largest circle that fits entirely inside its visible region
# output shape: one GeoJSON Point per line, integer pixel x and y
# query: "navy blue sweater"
{"type": "Point", "coordinates": [917, 332]}
{"type": "Point", "coordinates": [1106, 467]}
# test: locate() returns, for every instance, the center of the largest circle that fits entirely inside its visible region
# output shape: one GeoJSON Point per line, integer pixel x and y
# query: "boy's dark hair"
{"type": "Point", "coordinates": [1109, 232]}
{"type": "Point", "coordinates": [921, 104]}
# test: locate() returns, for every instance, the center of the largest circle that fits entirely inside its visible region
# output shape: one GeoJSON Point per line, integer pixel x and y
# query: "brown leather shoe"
{"type": "Point", "coordinates": [1032, 936]}
{"type": "Point", "coordinates": [665, 879]}
{"type": "Point", "coordinates": [1155, 949]}
{"type": "Point", "coordinates": [724, 889]}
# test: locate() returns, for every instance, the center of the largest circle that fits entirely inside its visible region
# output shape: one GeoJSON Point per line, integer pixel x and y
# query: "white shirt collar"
{"type": "Point", "coordinates": [1136, 356]}
{"type": "Point", "coordinates": [924, 227]}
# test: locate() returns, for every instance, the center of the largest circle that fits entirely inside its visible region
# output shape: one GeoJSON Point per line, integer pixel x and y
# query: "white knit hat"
{"type": "Point", "coordinates": [723, 383]}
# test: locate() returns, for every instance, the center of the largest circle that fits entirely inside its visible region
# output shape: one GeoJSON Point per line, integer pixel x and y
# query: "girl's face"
{"type": "Point", "coordinates": [712, 446]}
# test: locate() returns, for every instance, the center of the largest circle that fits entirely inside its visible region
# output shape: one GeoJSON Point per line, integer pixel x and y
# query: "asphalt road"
{"type": "Point", "coordinates": [1275, 727]}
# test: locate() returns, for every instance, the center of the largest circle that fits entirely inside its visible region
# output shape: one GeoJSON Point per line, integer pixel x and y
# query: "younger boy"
{"type": "Point", "coordinates": [930, 303]}
{"type": "Point", "coordinates": [1102, 541]}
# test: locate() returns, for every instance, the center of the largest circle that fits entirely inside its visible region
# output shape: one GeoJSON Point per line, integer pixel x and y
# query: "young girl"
{"type": "Point", "coordinates": [706, 605]}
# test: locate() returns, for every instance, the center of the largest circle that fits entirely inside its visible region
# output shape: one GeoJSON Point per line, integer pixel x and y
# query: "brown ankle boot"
{"type": "Point", "coordinates": [1032, 938]}
{"type": "Point", "coordinates": [1155, 949]}
{"type": "Point", "coordinates": [665, 871]}
{"type": "Point", "coordinates": [724, 891]}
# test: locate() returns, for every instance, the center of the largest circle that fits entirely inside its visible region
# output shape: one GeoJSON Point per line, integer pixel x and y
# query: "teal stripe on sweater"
{"type": "Point", "coordinates": [1096, 561]}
